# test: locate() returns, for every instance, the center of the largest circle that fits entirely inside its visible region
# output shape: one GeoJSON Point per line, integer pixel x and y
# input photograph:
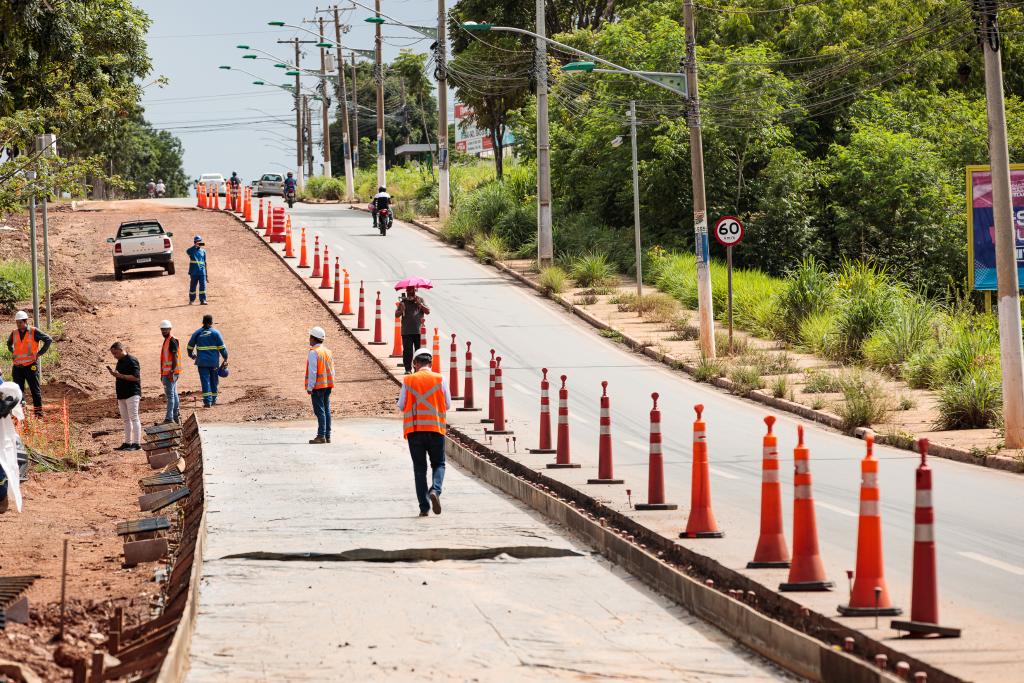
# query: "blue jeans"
{"type": "Point", "coordinates": [322, 409]}
{"type": "Point", "coordinates": [171, 394]}
{"type": "Point", "coordinates": [209, 378]}
{"type": "Point", "coordinates": [422, 444]}
{"type": "Point", "coordinates": [197, 281]}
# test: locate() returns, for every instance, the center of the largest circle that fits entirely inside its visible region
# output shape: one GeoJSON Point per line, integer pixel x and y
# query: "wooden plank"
{"type": "Point", "coordinates": [146, 524]}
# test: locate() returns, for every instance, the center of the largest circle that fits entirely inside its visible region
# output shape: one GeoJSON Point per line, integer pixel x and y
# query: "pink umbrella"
{"type": "Point", "coordinates": [415, 281]}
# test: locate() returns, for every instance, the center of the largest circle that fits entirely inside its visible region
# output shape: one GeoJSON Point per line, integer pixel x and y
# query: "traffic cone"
{"type": "Point", "coordinates": [545, 416]}
{"type": "Point", "coordinates": [248, 205]}
{"type": "Point", "coordinates": [924, 596]}
{"type": "Point", "coordinates": [435, 354]}
{"type": "Point", "coordinates": [806, 572]}
{"type": "Point", "coordinates": [396, 345]}
{"type": "Point", "coordinates": [316, 258]}
{"type": "Point", "coordinates": [346, 299]}
{"type": "Point", "coordinates": [490, 391]}
{"type": "Point", "coordinates": [303, 252]}
{"type": "Point", "coordinates": [325, 281]}
{"type": "Point", "coordinates": [499, 403]}
{"type": "Point", "coordinates": [288, 253]}
{"type": "Point", "coordinates": [268, 226]}
{"type": "Point", "coordinates": [563, 459]}
{"type": "Point", "coordinates": [423, 333]}
{"type": "Point", "coordinates": [467, 394]}
{"type": "Point", "coordinates": [199, 195]}
{"type": "Point", "coordinates": [361, 320]}
{"type": "Point", "coordinates": [604, 443]}
{"type": "Point", "coordinates": [337, 281]}
{"type": "Point", "coordinates": [771, 552]}
{"type": "Point", "coordinates": [655, 467]}
{"type": "Point", "coordinates": [870, 595]}
{"type": "Point", "coordinates": [701, 522]}
{"type": "Point", "coordinates": [288, 222]}
{"type": "Point", "coordinates": [378, 326]}
{"type": "Point", "coordinates": [216, 199]}
{"type": "Point", "coordinates": [453, 372]}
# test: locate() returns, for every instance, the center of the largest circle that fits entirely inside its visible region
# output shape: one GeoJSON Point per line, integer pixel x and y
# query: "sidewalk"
{"type": "Point", "coordinates": [566, 615]}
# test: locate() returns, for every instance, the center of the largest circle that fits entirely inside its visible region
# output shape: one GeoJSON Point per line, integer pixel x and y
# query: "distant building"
{"type": "Point", "coordinates": [472, 140]}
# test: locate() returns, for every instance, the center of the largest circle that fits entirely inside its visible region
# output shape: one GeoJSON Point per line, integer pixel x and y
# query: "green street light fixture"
{"type": "Point", "coordinates": [258, 83]}
{"type": "Point", "coordinates": [292, 73]}
{"type": "Point", "coordinates": [281, 66]}
{"type": "Point", "coordinates": [579, 66]}
{"type": "Point", "coordinates": [374, 20]}
{"type": "Point", "coordinates": [474, 26]}
{"type": "Point", "coordinates": [249, 57]}
{"type": "Point", "coordinates": [275, 23]}
{"type": "Point", "coordinates": [325, 44]}
{"type": "Point", "coordinates": [228, 68]}
{"type": "Point", "coordinates": [243, 47]}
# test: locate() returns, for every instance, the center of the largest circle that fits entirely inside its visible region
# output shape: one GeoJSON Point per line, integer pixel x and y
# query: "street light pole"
{"type": "Point", "coordinates": [443, 187]}
{"type": "Point", "coordinates": [545, 241]}
{"type": "Point", "coordinates": [326, 108]}
{"type": "Point", "coordinates": [636, 203]}
{"type": "Point", "coordinates": [308, 133]}
{"type": "Point", "coordinates": [346, 139]}
{"type": "Point", "coordinates": [700, 219]}
{"type": "Point", "coordinates": [381, 173]}
{"type": "Point", "coordinates": [355, 117]}
{"type": "Point", "coordinates": [298, 114]}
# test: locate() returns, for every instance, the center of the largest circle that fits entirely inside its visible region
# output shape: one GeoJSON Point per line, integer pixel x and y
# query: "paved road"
{"type": "Point", "coordinates": [980, 512]}
{"type": "Point", "coordinates": [569, 615]}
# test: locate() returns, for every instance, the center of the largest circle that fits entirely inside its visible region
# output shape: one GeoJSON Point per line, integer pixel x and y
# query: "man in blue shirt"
{"type": "Point", "coordinates": [197, 270]}
{"type": "Point", "coordinates": [290, 183]}
{"type": "Point", "coordinates": [206, 347]}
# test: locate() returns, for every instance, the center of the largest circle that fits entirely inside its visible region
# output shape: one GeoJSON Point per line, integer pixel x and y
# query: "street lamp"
{"type": "Point", "coordinates": [324, 42]}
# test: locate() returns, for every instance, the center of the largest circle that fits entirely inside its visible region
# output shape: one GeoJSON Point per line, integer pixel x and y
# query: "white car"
{"type": "Point", "coordinates": [142, 244]}
{"type": "Point", "coordinates": [270, 183]}
{"type": "Point", "coordinates": [217, 180]}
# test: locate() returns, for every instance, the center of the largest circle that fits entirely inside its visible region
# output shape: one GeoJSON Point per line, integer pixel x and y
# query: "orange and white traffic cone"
{"type": "Point", "coordinates": [337, 281]}
{"type": "Point", "coordinates": [544, 445]}
{"type": "Point", "coordinates": [869, 595]}
{"type": "Point", "coordinates": [361, 319]}
{"type": "Point", "coordinates": [701, 522]}
{"type": "Point", "coordinates": [771, 552]}
{"type": "Point", "coordinates": [467, 394]}
{"type": "Point", "coordinates": [325, 280]}
{"type": "Point", "coordinates": [303, 253]}
{"type": "Point", "coordinates": [655, 466]}
{"type": "Point", "coordinates": [605, 470]}
{"type": "Point", "coordinates": [499, 403]}
{"type": "Point", "coordinates": [396, 344]}
{"type": "Point", "coordinates": [248, 205]}
{"type": "Point", "coordinates": [806, 572]}
{"type": "Point", "coordinates": [268, 227]}
{"type": "Point", "coordinates": [453, 371]}
{"type": "Point", "coordinates": [490, 391]}
{"type": "Point", "coordinates": [423, 333]}
{"type": "Point", "coordinates": [199, 195]}
{"type": "Point", "coordinates": [378, 325]}
{"type": "Point", "coordinates": [316, 258]}
{"type": "Point", "coordinates": [346, 299]}
{"type": "Point", "coordinates": [435, 354]}
{"type": "Point", "coordinates": [563, 457]}
{"type": "Point", "coordinates": [924, 595]}
{"type": "Point", "coordinates": [288, 253]}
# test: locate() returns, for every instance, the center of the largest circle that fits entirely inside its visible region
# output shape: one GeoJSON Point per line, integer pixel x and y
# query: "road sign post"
{"type": "Point", "coordinates": [729, 232]}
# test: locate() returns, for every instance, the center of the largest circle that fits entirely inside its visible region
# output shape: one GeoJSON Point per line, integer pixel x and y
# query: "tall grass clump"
{"type": "Point", "coordinates": [489, 248]}
{"type": "Point", "coordinates": [591, 270]}
{"type": "Point", "coordinates": [909, 329]}
{"type": "Point", "coordinates": [968, 344]}
{"type": "Point", "coordinates": [973, 402]}
{"type": "Point", "coordinates": [324, 187]}
{"type": "Point", "coordinates": [552, 280]}
{"type": "Point", "coordinates": [745, 379]}
{"type": "Point", "coordinates": [809, 290]}
{"type": "Point", "coordinates": [15, 283]}
{"type": "Point", "coordinates": [866, 297]}
{"type": "Point", "coordinates": [864, 403]}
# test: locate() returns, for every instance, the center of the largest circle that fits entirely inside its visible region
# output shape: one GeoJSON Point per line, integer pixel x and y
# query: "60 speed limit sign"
{"type": "Point", "coordinates": [728, 231]}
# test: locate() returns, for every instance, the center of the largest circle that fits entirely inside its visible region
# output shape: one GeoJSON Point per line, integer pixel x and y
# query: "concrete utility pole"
{"type": "Point", "coordinates": [636, 201]}
{"type": "Point", "coordinates": [443, 184]}
{"type": "Point", "coordinates": [308, 133]}
{"type": "Point", "coordinates": [326, 107]}
{"type": "Point", "coordinates": [46, 145]}
{"type": "Point", "coordinates": [298, 114]}
{"type": "Point", "coordinates": [381, 173]}
{"type": "Point", "coordinates": [545, 243]}
{"type": "Point", "coordinates": [355, 115]}
{"type": "Point", "coordinates": [700, 218]}
{"type": "Point", "coordinates": [1011, 352]}
{"type": "Point", "coordinates": [346, 139]}
{"type": "Point", "coordinates": [31, 175]}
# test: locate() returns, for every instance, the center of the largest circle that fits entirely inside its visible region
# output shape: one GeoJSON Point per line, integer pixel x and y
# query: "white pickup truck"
{"type": "Point", "coordinates": [142, 244]}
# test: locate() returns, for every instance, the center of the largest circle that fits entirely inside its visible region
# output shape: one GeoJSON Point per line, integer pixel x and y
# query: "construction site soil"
{"type": "Point", "coordinates": [264, 314]}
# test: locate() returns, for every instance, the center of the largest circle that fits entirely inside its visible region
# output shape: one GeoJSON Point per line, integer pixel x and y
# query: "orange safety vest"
{"type": "Point", "coordinates": [25, 348]}
{"type": "Point", "coordinates": [166, 360]}
{"type": "Point", "coordinates": [424, 403]}
{"type": "Point", "coordinates": [324, 368]}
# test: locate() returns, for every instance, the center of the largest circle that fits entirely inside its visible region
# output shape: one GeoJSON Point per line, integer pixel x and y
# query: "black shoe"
{"type": "Point", "coordinates": [327, 439]}
{"type": "Point", "coordinates": [318, 439]}
{"type": "Point", "coordinates": [135, 447]}
{"type": "Point", "coordinates": [435, 502]}
{"type": "Point", "coordinates": [124, 447]}
{"type": "Point", "coordinates": [424, 513]}
{"type": "Point", "coordinates": [202, 303]}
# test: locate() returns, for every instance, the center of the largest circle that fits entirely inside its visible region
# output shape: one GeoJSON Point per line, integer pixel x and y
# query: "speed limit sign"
{"type": "Point", "coordinates": [728, 231]}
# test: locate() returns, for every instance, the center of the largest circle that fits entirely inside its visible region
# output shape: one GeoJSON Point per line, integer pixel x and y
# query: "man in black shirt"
{"type": "Point", "coordinates": [128, 387]}
{"type": "Point", "coordinates": [412, 309]}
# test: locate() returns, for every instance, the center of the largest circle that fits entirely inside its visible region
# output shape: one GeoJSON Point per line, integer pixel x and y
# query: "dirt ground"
{"type": "Point", "coordinates": [264, 314]}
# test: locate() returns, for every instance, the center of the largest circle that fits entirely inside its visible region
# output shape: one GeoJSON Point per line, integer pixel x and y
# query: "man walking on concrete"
{"type": "Point", "coordinates": [206, 347]}
{"type": "Point", "coordinates": [197, 270]}
{"type": "Point", "coordinates": [26, 345]}
{"type": "Point", "coordinates": [424, 401]}
{"type": "Point", "coordinates": [170, 369]}
{"type": "Point", "coordinates": [128, 387]}
{"type": "Point", "coordinates": [412, 309]}
{"type": "Point", "coordinates": [319, 382]}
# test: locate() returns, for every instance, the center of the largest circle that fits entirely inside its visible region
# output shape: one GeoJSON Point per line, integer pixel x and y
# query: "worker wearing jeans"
{"type": "Point", "coordinates": [197, 271]}
{"type": "Point", "coordinates": [206, 347]}
{"type": "Point", "coordinates": [170, 370]}
{"type": "Point", "coordinates": [424, 402]}
{"type": "Point", "coordinates": [319, 382]}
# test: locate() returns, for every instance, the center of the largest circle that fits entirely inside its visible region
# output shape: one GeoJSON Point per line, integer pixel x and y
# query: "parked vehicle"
{"type": "Point", "coordinates": [142, 244]}
{"type": "Point", "coordinates": [270, 184]}
{"type": "Point", "coordinates": [216, 180]}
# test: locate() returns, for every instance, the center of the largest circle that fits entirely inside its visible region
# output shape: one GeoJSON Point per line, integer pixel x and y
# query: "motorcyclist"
{"type": "Point", "coordinates": [151, 188]}
{"type": "Point", "coordinates": [381, 200]}
{"type": "Point", "coordinates": [160, 188]}
{"type": "Point", "coordinates": [289, 183]}
{"type": "Point", "coordinates": [235, 180]}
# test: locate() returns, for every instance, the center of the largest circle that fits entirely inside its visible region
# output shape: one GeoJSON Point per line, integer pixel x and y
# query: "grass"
{"type": "Point", "coordinates": [585, 299]}
{"type": "Point", "coordinates": [906, 402]}
{"type": "Point", "coordinates": [745, 378]}
{"type": "Point", "coordinates": [780, 386]}
{"type": "Point", "coordinates": [708, 369]}
{"type": "Point", "coordinates": [20, 273]}
{"type": "Point", "coordinates": [821, 382]}
{"type": "Point", "coordinates": [490, 248]}
{"type": "Point", "coordinates": [864, 403]}
{"type": "Point", "coordinates": [657, 307]}
{"type": "Point", "coordinates": [683, 329]}
{"type": "Point", "coordinates": [591, 270]}
{"type": "Point", "coordinates": [552, 280]}
{"type": "Point", "coordinates": [740, 345]}
{"type": "Point", "coordinates": [973, 402]}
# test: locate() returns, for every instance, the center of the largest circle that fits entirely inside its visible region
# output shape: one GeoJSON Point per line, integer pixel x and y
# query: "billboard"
{"type": "Point", "coordinates": [981, 240]}
{"type": "Point", "coordinates": [472, 140]}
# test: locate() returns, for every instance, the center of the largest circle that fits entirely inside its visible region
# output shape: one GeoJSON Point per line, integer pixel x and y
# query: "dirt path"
{"type": "Point", "coordinates": [264, 314]}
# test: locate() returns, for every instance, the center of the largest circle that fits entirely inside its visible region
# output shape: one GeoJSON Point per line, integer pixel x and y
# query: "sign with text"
{"type": "Point", "coordinates": [981, 236]}
{"type": "Point", "coordinates": [469, 139]}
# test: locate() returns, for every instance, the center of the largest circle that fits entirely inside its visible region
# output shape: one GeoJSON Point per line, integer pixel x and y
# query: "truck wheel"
{"type": "Point", "coordinates": [170, 268]}
{"type": "Point", "coordinates": [118, 274]}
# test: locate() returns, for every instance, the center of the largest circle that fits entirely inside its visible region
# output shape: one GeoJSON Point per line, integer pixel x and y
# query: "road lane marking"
{"type": "Point", "coordinates": [520, 388]}
{"type": "Point", "coordinates": [992, 562]}
{"type": "Point", "coordinates": [637, 444]}
{"type": "Point", "coordinates": [421, 264]}
{"type": "Point", "coordinates": [836, 508]}
{"type": "Point", "coordinates": [360, 264]}
{"type": "Point", "coordinates": [721, 473]}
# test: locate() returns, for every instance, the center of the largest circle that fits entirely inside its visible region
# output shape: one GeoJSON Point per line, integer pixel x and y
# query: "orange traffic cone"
{"type": "Point", "coordinates": [563, 455]}
{"type": "Point", "coordinates": [467, 393]}
{"type": "Point", "coordinates": [316, 257]}
{"type": "Point", "coordinates": [303, 253]}
{"type": "Point", "coordinates": [396, 346]}
{"type": "Point", "coordinates": [337, 281]}
{"type": "Point", "coordinates": [325, 281]}
{"type": "Point", "coordinates": [545, 416]}
{"type": "Point", "coordinates": [216, 199]}
{"type": "Point", "coordinates": [288, 222]}
{"type": "Point", "coordinates": [288, 253]}
{"type": "Point", "coordinates": [435, 351]}
{"type": "Point", "coordinates": [490, 390]}
{"type": "Point", "coordinates": [378, 325]}
{"type": "Point", "coordinates": [268, 233]}
{"type": "Point", "coordinates": [247, 209]}
{"type": "Point", "coordinates": [806, 573]}
{"type": "Point", "coordinates": [346, 300]}
{"type": "Point", "coordinates": [771, 552]}
{"type": "Point", "coordinates": [259, 217]}
{"type": "Point", "coordinates": [870, 595]}
{"type": "Point", "coordinates": [453, 371]}
{"type": "Point", "coordinates": [499, 404]}
{"type": "Point", "coordinates": [199, 195]}
{"type": "Point", "coordinates": [605, 469]}
{"type": "Point", "coordinates": [361, 318]}
{"type": "Point", "coordinates": [208, 204]}
{"type": "Point", "coordinates": [655, 466]}
{"type": "Point", "coordinates": [701, 523]}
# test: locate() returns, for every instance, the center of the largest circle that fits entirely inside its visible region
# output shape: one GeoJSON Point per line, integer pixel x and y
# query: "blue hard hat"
{"type": "Point", "coordinates": [222, 371]}
{"type": "Point", "coordinates": [197, 238]}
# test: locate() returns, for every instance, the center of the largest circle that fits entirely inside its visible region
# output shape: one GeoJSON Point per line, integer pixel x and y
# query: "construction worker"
{"type": "Point", "coordinates": [170, 369]}
{"type": "Point", "coordinates": [206, 347]}
{"type": "Point", "coordinates": [26, 345]}
{"type": "Point", "coordinates": [197, 270]}
{"type": "Point", "coordinates": [424, 401]}
{"type": "Point", "coordinates": [319, 382]}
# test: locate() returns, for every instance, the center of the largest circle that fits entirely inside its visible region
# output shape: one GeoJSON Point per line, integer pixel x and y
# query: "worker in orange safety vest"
{"type": "Point", "coordinates": [424, 401]}
{"type": "Point", "coordinates": [319, 382]}
{"type": "Point", "coordinates": [170, 371]}
{"type": "Point", "coordinates": [27, 344]}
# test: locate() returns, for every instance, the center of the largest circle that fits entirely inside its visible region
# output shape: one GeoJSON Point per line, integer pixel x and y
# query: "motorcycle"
{"type": "Point", "coordinates": [384, 221]}
{"type": "Point", "coordinates": [289, 196]}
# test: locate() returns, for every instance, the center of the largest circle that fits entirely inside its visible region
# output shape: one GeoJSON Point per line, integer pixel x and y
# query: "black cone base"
{"type": "Point", "coordinates": [703, 534]}
{"type": "Point", "coordinates": [541, 450]}
{"type": "Point", "coordinates": [806, 586]}
{"type": "Point", "coordinates": [468, 410]}
{"type": "Point", "coordinates": [848, 611]}
{"type": "Point", "coordinates": [655, 506]}
{"type": "Point", "coordinates": [562, 465]}
{"type": "Point", "coordinates": [360, 329]}
{"type": "Point", "coordinates": [498, 432]}
{"type": "Point", "coordinates": [924, 629]}
{"type": "Point", "coordinates": [604, 481]}
{"type": "Point", "coordinates": [767, 565]}
{"type": "Point", "coordinates": [377, 343]}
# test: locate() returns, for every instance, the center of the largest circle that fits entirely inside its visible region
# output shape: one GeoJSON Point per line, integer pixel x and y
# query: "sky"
{"type": "Point", "coordinates": [221, 118]}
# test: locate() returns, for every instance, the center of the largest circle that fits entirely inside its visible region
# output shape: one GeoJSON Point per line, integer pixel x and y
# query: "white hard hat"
{"type": "Point", "coordinates": [21, 315]}
{"type": "Point", "coordinates": [318, 333]}
{"type": "Point", "coordinates": [423, 353]}
{"type": "Point", "coordinates": [165, 325]}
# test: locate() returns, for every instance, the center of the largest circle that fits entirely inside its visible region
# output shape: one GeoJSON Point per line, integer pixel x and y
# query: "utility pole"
{"type": "Point", "coordinates": [326, 107]}
{"type": "Point", "coordinates": [700, 218]}
{"type": "Point", "coordinates": [46, 145]}
{"type": "Point", "coordinates": [545, 245]}
{"type": "Point", "coordinates": [346, 139]}
{"type": "Point", "coordinates": [298, 113]}
{"type": "Point", "coordinates": [31, 175]}
{"type": "Point", "coordinates": [443, 183]}
{"type": "Point", "coordinates": [1011, 352]}
{"type": "Point", "coordinates": [381, 174]}
{"type": "Point", "coordinates": [308, 133]}
{"type": "Point", "coordinates": [355, 117]}
{"type": "Point", "coordinates": [636, 202]}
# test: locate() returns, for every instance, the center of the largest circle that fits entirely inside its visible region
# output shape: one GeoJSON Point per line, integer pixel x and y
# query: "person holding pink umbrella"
{"type": "Point", "coordinates": [412, 308]}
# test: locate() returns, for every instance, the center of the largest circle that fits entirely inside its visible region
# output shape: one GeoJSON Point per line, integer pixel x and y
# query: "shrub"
{"type": "Point", "coordinates": [780, 386]}
{"type": "Point", "coordinates": [707, 369]}
{"type": "Point", "coordinates": [820, 382]}
{"type": "Point", "coordinates": [552, 280]}
{"type": "Point", "coordinates": [684, 330]}
{"type": "Point", "coordinates": [586, 299]}
{"type": "Point", "coordinates": [969, 344]}
{"type": "Point", "coordinates": [817, 332]}
{"type": "Point", "coordinates": [459, 230]}
{"type": "Point", "coordinates": [10, 295]}
{"type": "Point", "coordinates": [489, 203]}
{"type": "Point", "coordinates": [489, 248]}
{"type": "Point", "coordinates": [591, 270]}
{"type": "Point", "coordinates": [517, 225]}
{"type": "Point", "coordinates": [906, 402]}
{"type": "Point", "coordinates": [745, 378]}
{"type": "Point", "coordinates": [864, 401]}
{"type": "Point", "coordinates": [919, 370]}
{"type": "Point", "coordinates": [740, 345]}
{"type": "Point", "coordinates": [973, 402]}
{"type": "Point", "coordinates": [909, 328]}
{"type": "Point", "coordinates": [809, 290]}
{"type": "Point", "coordinates": [865, 302]}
